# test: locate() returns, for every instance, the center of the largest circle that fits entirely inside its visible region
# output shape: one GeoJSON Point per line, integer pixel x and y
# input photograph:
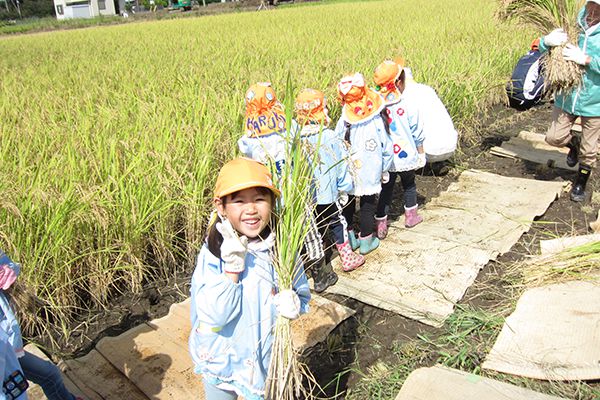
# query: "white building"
{"type": "Point", "coordinates": [66, 9]}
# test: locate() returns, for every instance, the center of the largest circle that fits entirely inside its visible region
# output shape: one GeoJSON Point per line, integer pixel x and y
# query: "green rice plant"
{"type": "Point", "coordinates": [293, 209]}
{"type": "Point", "coordinates": [111, 136]}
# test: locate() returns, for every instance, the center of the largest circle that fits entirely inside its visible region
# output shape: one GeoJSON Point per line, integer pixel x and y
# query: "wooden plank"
{"type": "Point", "coordinates": [35, 391]}
{"type": "Point", "coordinates": [100, 380]}
{"type": "Point", "coordinates": [440, 383]}
{"type": "Point", "coordinates": [158, 366]}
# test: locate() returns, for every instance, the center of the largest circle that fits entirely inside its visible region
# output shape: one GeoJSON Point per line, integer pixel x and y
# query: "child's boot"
{"type": "Point", "coordinates": [368, 244]}
{"type": "Point", "coordinates": [411, 218]}
{"type": "Point", "coordinates": [324, 277]}
{"type": "Point", "coordinates": [381, 226]}
{"type": "Point", "coordinates": [353, 241]}
{"type": "Point", "coordinates": [350, 260]}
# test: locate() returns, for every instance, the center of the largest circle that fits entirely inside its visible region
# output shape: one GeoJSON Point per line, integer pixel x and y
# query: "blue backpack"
{"type": "Point", "coordinates": [526, 86]}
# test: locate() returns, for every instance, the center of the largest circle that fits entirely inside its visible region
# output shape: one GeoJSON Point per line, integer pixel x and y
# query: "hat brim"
{"type": "Point", "coordinates": [378, 104]}
{"type": "Point", "coordinates": [247, 185]}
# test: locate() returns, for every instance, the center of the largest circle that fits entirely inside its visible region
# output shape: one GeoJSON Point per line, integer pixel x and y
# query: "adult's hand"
{"type": "Point", "coordinates": [555, 38]}
{"type": "Point", "coordinates": [575, 54]}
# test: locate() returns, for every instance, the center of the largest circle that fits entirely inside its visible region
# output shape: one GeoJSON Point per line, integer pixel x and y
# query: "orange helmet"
{"type": "Point", "coordinates": [243, 173]}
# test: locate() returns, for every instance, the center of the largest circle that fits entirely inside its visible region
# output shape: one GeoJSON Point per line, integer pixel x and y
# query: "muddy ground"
{"type": "Point", "coordinates": [370, 336]}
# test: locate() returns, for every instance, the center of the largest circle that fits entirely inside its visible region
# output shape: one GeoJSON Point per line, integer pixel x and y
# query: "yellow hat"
{"type": "Point", "coordinates": [264, 114]}
{"type": "Point", "coordinates": [310, 107]}
{"type": "Point", "coordinates": [385, 78]}
{"type": "Point", "coordinates": [243, 173]}
{"type": "Point", "coordinates": [360, 102]}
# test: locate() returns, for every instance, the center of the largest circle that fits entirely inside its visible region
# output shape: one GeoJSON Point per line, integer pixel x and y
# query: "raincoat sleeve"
{"type": "Point", "coordinates": [416, 126]}
{"type": "Point", "coordinates": [216, 299]}
{"type": "Point", "coordinates": [387, 149]}
{"type": "Point", "coordinates": [344, 179]}
{"type": "Point", "coordinates": [5, 260]}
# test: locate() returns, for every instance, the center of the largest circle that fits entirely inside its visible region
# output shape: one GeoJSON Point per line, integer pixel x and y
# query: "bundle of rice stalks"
{"type": "Point", "coordinates": [545, 16]}
{"type": "Point", "coordinates": [576, 263]}
{"type": "Point", "coordinates": [293, 210]}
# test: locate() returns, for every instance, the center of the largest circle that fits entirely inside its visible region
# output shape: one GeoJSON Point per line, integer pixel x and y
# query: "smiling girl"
{"type": "Point", "coordinates": [234, 297]}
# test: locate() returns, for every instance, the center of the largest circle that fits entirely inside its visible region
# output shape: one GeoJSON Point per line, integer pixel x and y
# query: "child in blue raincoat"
{"type": "Point", "coordinates": [332, 179]}
{"type": "Point", "coordinates": [370, 153]}
{"type": "Point", "coordinates": [407, 135]}
{"type": "Point", "coordinates": [234, 287]}
{"type": "Point", "coordinates": [37, 370]}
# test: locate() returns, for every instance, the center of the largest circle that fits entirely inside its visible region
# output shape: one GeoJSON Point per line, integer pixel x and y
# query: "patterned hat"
{"type": "Point", "coordinates": [264, 114]}
{"type": "Point", "coordinates": [311, 107]}
{"type": "Point", "coordinates": [243, 173]}
{"type": "Point", "coordinates": [385, 78]}
{"type": "Point", "coordinates": [360, 102]}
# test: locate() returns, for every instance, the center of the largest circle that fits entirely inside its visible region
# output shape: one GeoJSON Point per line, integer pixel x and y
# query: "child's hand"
{"type": "Point", "coordinates": [385, 177]}
{"type": "Point", "coordinates": [7, 277]}
{"type": "Point", "coordinates": [233, 248]}
{"type": "Point", "coordinates": [342, 198]}
{"type": "Point", "coordinates": [422, 160]}
{"type": "Point", "coordinates": [287, 304]}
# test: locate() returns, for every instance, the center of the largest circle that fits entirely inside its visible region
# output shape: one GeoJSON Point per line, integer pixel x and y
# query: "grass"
{"type": "Point", "coordinates": [112, 135]}
{"type": "Point", "coordinates": [461, 343]}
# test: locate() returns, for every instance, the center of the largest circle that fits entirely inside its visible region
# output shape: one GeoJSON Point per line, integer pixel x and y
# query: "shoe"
{"type": "Point", "coordinates": [411, 218]}
{"type": "Point", "coordinates": [381, 227]}
{"type": "Point", "coordinates": [350, 260]}
{"type": "Point", "coordinates": [578, 190]}
{"type": "Point", "coordinates": [573, 156]}
{"type": "Point", "coordinates": [324, 281]}
{"type": "Point", "coordinates": [353, 241]}
{"type": "Point", "coordinates": [368, 244]}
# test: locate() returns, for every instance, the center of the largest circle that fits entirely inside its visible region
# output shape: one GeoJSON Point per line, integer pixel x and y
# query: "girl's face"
{"type": "Point", "coordinates": [248, 210]}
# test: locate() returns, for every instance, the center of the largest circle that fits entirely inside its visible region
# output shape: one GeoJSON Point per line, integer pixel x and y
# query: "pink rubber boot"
{"type": "Point", "coordinates": [411, 218]}
{"type": "Point", "coordinates": [350, 260]}
{"type": "Point", "coordinates": [381, 226]}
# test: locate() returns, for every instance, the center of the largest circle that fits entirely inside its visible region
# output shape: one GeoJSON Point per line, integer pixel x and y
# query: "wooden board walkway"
{"type": "Point", "coordinates": [151, 361]}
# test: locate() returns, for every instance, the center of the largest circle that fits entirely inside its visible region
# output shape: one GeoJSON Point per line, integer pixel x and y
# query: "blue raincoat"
{"type": "Point", "coordinates": [8, 320]}
{"type": "Point", "coordinates": [370, 153]}
{"type": "Point", "coordinates": [331, 174]}
{"type": "Point", "coordinates": [585, 99]}
{"type": "Point", "coordinates": [232, 323]}
{"type": "Point", "coordinates": [406, 130]}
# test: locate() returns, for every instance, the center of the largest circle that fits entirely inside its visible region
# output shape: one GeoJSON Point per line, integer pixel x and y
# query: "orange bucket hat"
{"type": "Point", "coordinates": [360, 102]}
{"type": "Point", "coordinates": [385, 78]}
{"type": "Point", "coordinates": [264, 114]}
{"type": "Point", "coordinates": [310, 106]}
{"type": "Point", "coordinates": [243, 173]}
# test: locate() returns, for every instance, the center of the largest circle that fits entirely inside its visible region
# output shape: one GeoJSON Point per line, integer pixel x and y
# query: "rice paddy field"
{"type": "Point", "coordinates": [112, 136]}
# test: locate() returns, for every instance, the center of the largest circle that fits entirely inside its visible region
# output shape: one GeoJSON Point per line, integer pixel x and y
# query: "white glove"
{"type": "Point", "coordinates": [575, 54]}
{"type": "Point", "coordinates": [233, 248]}
{"type": "Point", "coordinates": [342, 198]}
{"type": "Point", "coordinates": [422, 160]}
{"type": "Point", "coordinates": [555, 38]}
{"type": "Point", "coordinates": [287, 304]}
{"type": "Point", "coordinates": [385, 177]}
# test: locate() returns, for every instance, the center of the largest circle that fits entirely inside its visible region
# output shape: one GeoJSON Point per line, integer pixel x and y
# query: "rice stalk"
{"type": "Point", "coordinates": [576, 263]}
{"type": "Point", "coordinates": [293, 208]}
{"type": "Point", "coordinates": [545, 15]}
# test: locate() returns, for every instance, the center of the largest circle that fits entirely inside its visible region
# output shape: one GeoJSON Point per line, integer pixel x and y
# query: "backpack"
{"type": "Point", "coordinates": [526, 86]}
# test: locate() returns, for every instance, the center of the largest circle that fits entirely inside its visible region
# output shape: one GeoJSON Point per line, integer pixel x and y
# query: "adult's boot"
{"type": "Point", "coordinates": [411, 218]}
{"type": "Point", "coordinates": [578, 191]}
{"type": "Point", "coordinates": [350, 260]}
{"type": "Point", "coordinates": [368, 244]}
{"type": "Point", "coordinates": [324, 276]}
{"type": "Point", "coordinates": [381, 227]}
{"type": "Point", "coordinates": [573, 156]}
